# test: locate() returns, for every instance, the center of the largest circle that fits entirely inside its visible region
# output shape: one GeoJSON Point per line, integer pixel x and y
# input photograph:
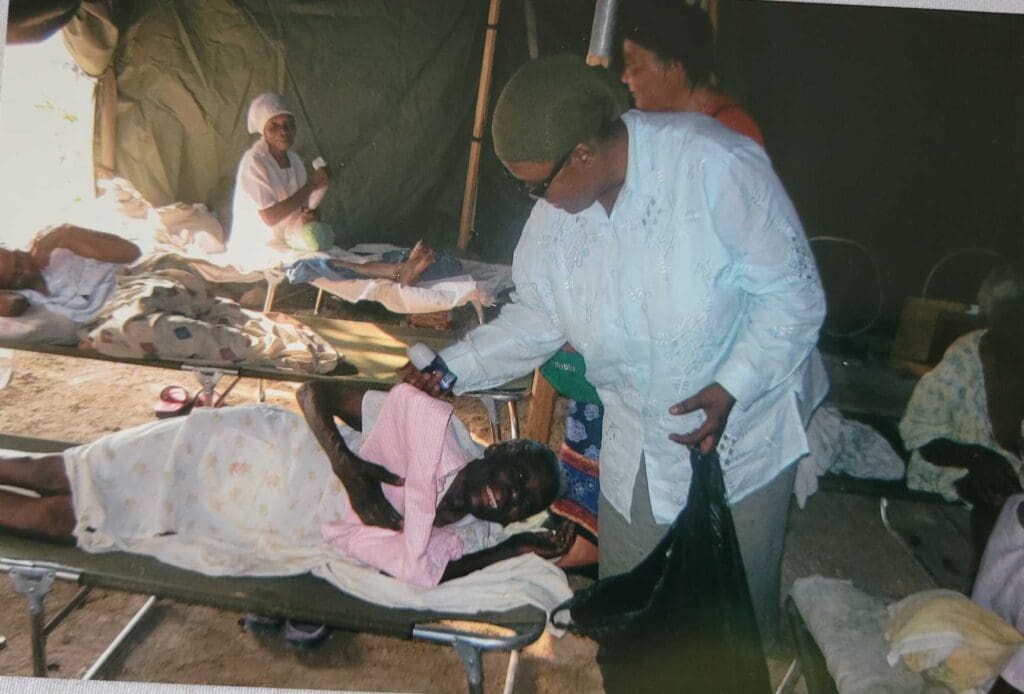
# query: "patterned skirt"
{"type": "Point", "coordinates": [578, 460]}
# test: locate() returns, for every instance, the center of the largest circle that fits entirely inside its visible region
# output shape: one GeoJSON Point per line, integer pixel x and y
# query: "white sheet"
{"type": "Point", "coordinates": [39, 326]}
{"type": "Point", "coordinates": [479, 287]}
{"type": "Point", "coordinates": [525, 580]}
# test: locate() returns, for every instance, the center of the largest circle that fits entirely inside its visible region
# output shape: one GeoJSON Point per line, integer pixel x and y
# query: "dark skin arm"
{"type": "Point", "coordinates": [320, 403]}
{"type": "Point", "coordinates": [717, 403]}
{"type": "Point", "coordinates": [12, 304]}
{"type": "Point", "coordinates": [427, 382]}
{"type": "Point", "coordinates": [990, 480]}
{"type": "Point", "coordinates": [548, 544]}
{"type": "Point", "coordinates": [296, 201]}
{"type": "Point", "coordinates": [87, 243]}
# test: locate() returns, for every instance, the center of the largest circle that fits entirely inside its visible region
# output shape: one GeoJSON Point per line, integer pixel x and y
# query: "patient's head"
{"type": "Point", "coordinates": [514, 480]}
{"type": "Point", "coordinates": [1001, 299]}
{"type": "Point", "coordinates": [18, 270]}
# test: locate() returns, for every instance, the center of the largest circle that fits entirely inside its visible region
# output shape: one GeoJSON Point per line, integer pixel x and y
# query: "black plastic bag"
{"type": "Point", "coordinates": [682, 620]}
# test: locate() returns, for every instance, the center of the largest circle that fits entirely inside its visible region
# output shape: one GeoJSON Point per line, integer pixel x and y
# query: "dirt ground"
{"type": "Point", "coordinates": [78, 400]}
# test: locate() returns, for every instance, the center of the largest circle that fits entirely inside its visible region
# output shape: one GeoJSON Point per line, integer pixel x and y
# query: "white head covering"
{"type": "Point", "coordinates": [263, 108]}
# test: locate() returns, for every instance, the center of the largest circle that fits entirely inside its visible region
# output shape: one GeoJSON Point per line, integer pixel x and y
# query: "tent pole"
{"type": "Point", "coordinates": [532, 46]}
{"type": "Point", "coordinates": [599, 52]}
{"type": "Point", "coordinates": [106, 112]}
{"type": "Point", "coordinates": [482, 100]}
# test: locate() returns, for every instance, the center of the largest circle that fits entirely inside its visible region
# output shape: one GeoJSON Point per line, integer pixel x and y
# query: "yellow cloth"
{"type": "Point", "coordinates": [949, 639]}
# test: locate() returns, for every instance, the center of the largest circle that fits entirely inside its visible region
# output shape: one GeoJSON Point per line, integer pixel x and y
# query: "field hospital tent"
{"type": "Point", "coordinates": [897, 129]}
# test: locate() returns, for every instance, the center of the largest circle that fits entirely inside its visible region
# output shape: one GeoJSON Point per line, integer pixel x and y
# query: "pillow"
{"type": "Point", "coordinates": [949, 639]}
{"type": "Point", "coordinates": [847, 625]}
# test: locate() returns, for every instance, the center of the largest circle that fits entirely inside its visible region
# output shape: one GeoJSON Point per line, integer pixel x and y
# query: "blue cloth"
{"type": "Point", "coordinates": [701, 274]}
{"type": "Point", "coordinates": [445, 265]}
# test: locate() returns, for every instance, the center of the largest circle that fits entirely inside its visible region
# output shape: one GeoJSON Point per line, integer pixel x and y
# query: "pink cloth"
{"type": "Point", "coordinates": [1000, 582]}
{"type": "Point", "coordinates": [413, 439]}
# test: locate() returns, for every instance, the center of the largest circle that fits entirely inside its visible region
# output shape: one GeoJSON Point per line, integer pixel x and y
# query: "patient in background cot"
{"type": "Point", "coordinates": [67, 269]}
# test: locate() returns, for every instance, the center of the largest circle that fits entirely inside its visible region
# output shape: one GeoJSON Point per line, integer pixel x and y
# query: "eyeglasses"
{"type": "Point", "coordinates": [539, 190]}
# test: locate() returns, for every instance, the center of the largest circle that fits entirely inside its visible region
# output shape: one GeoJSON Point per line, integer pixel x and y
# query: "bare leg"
{"type": "Point", "coordinates": [42, 474]}
{"type": "Point", "coordinates": [420, 258]}
{"type": "Point", "coordinates": [50, 518]}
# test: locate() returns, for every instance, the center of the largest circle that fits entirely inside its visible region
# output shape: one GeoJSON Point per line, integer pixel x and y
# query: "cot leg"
{"type": "Point", "coordinates": [34, 584]}
{"type": "Point", "coordinates": [268, 303]}
{"type": "Point", "coordinates": [319, 301]}
{"type": "Point", "coordinates": [512, 671]}
{"type": "Point", "coordinates": [120, 639]}
{"type": "Point", "coordinates": [513, 419]}
{"type": "Point", "coordinates": [209, 377]}
{"type": "Point", "coordinates": [492, 414]}
{"type": "Point", "coordinates": [473, 660]}
{"type": "Point", "coordinates": [72, 605]}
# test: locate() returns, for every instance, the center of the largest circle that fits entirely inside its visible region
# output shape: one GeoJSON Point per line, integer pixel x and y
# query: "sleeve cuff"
{"type": "Point", "coordinates": [741, 381]}
{"type": "Point", "coordinates": [460, 362]}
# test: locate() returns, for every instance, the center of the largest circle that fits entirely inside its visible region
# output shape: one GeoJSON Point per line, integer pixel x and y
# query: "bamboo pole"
{"type": "Point", "coordinates": [479, 121]}
{"type": "Point", "coordinates": [532, 45]}
{"type": "Point", "coordinates": [106, 113]}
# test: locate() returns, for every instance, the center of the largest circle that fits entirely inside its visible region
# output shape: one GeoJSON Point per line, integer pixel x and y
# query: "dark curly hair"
{"type": "Point", "coordinates": [673, 30]}
{"type": "Point", "coordinates": [535, 452]}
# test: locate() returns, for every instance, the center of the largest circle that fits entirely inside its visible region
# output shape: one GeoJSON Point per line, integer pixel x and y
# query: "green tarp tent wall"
{"type": "Point", "coordinates": [898, 129]}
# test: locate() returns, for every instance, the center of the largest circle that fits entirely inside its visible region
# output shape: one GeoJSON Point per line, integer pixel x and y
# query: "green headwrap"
{"type": "Point", "coordinates": [552, 104]}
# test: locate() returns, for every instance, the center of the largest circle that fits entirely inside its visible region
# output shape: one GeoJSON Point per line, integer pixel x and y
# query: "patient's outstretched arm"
{"type": "Point", "coordinates": [548, 544]}
{"type": "Point", "coordinates": [321, 402]}
{"type": "Point", "coordinates": [87, 243]}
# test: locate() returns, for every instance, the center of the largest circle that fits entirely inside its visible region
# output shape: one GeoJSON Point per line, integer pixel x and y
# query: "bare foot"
{"type": "Point", "coordinates": [420, 258]}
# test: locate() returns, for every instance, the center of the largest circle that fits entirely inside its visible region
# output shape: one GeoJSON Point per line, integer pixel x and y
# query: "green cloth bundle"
{"type": "Point", "coordinates": [567, 372]}
{"type": "Point", "coordinates": [313, 236]}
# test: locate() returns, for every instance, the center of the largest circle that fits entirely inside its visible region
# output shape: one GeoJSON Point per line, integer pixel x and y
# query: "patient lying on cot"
{"type": "Point", "coordinates": [252, 491]}
{"type": "Point", "coordinates": [67, 269]}
{"type": "Point", "coordinates": [407, 267]}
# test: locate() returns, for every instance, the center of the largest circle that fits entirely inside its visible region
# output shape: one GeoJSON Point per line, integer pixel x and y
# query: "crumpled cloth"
{"type": "Point", "coordinates": [838, 444]}
{"type": "Point", "coordinates": [949, 639]}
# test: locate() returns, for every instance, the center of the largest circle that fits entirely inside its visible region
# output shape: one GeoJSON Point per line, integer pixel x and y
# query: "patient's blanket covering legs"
{"type": "Point", "coordinates": [248, 491]}
{"type": "Point", "coordinates": [172, 314]}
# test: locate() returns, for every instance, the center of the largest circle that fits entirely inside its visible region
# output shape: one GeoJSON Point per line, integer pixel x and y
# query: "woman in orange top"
{"type": "Point", "coordinates": [668, 56]}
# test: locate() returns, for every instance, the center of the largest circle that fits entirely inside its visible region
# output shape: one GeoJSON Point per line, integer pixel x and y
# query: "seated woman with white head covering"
{"type": "Point", "coordinates": [272, 189]}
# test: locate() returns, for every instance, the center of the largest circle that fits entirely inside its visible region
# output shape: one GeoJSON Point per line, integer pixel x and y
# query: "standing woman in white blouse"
{"type": "Point", "coordinates": [665, 249]}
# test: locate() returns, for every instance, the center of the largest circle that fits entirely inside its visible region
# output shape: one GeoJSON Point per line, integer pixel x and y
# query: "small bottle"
{"type": "Point", "coordinates": [427, 361]}
{"type": "Point", "coordinates": [317, 195]}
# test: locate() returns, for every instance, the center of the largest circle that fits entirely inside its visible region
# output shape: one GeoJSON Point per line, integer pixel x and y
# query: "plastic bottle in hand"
{"type": "Point", "coordinates": [428, 361]}
{"type": "Point", "coordinates": [317, 195]}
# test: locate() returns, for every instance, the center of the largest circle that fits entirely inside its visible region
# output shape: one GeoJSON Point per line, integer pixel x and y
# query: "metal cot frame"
{"type": "Point", "coordinates": [35, 566]}
{"type": "Point", "coordinates": [372, 353]}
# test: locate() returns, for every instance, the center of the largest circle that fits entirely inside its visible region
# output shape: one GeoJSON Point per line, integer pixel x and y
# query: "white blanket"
{"type": "Point", "coordinates": [479, 287]}
{"type": "Point", "coordinates": [238, 508]}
